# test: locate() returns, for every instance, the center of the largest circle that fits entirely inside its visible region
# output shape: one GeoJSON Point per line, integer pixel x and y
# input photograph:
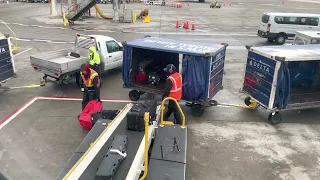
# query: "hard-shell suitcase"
{"type": "Point", "coordinates": [104, 114]}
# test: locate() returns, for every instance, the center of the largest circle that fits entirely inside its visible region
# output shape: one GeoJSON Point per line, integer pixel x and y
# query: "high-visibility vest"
{"type": "Point", "coordinates": [176, 89]}
{"type": "Point", "coordinates": [88, 82]}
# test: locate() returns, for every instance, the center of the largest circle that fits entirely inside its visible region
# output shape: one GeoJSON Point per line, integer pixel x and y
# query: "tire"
{"type": "Point", "coordinates": [274, 118]}
{"type": "Point", "coordinates": [134, 95]}
{"type": "Point", "coordinates": [247, 101]}
{"type": "Point", "coordinates": [280, 39]}
{"type": "Point", "coordinates": [197, 110]}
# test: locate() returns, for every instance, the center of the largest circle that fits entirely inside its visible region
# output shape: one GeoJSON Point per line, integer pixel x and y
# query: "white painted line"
{"type": "Point", "coordinates": [40, 40]}
{"type": "Point", "coordinates": [80, 99]}
{"type": "Point", "coordinates": [22, 52]}
{"type": "Point", "coordinates": [22, 39]}
{"type": "Point", "coordinates": [11, 117]}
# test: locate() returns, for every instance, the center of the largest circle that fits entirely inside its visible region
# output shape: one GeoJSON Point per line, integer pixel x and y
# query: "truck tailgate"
{"type": "Point", "coordinates": [56, 63]}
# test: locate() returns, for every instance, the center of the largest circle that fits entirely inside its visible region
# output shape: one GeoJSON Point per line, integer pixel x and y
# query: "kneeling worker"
{"type": "Point", "coordinates": [90, 85]}
{"type": "Point", "coordinates": [173, 89]}
{"type": "Point", "coordinates": [94, 60]}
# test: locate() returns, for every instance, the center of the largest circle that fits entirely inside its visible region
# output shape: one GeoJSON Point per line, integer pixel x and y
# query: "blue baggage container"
{"type": "Point", "coordinates": [201, 66]}
{"type": "Point", "coordinates": [6, 63]}
{"type": "Point", "coordinates": [283, 77]}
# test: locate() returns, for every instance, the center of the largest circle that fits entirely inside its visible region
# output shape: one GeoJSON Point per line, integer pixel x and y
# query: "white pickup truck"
{"type": "Point", "coordinates": [62, 67]}
{"type": "Point", "coordinates": [306, 37]}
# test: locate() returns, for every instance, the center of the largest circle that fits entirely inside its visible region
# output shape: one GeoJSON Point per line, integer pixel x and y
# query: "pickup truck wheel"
{"type": "Point", "coordinates": [134, 95]}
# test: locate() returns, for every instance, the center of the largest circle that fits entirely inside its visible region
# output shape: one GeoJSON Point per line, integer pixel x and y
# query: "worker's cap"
{"type": "Point", "coordinates": [169, 67]}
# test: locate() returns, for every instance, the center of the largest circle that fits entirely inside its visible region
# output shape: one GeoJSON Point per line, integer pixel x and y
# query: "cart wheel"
{"type": "Point", "coordinates": [197, 110]}
{"type": "Point", "coordinates": [134, 95]}
{"type": "Point", "coordinates": [247, 101]}
{"type": "Point", "coordinates": [274, 118]}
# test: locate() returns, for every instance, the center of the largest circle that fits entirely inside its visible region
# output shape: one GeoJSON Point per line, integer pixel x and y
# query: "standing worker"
{"type": "Point", "coordinates": [173, 89]}
{"type": "Point", "coordinates": [94, 60]}
{"type": "Point", "coordinates": [90, 85]}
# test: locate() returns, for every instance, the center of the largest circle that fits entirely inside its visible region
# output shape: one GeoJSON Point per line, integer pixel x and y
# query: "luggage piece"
{"type": "Point", "coordinates": [104, 114]}
{"type": "Point", "coordinates": [135, 121]}
{"type": "Point", "coordinates": [85, 116]}
{"type": "Point", "coordinates": [112, 160]}
{"type": "Point", "coordinates": [151, 106]}
{"type": "Point", "coordinates": [135, 118]}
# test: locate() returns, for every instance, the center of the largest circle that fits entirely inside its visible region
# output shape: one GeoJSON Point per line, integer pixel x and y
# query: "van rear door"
{"type": "Point", "coordinates": [264, 23]}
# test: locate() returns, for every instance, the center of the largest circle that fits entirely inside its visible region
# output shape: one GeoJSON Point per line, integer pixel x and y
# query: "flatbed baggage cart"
{"type": "Point", "coordinates": [200, 64]}
{"type": "Point", "coordinates": [282, 77]}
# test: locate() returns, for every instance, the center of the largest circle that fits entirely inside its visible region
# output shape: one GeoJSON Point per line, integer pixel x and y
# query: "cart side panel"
{"type": "Point", "coordinates": [195, 77]}
{"type": "Point", "coordinates": [127, 56]}
{"type": "Point", "coordinates": [259, 76]}
{"type": "Point", "coordinates": [6, 66]}
{"type": "Point", "coordinates": [216, 73]}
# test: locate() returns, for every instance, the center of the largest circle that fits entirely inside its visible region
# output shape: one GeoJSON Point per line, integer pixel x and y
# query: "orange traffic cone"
{"type": "Point", "coordinates": [230, 4]}
{"type": "Point", "coordinates": [187, 24]}
{"type": "Point", "coordinates": [188, 4]}
{"type": "Point", "coordinates": [177, 24]}
{"type": "Point", "coordinates": [193, 27]}
{"type": "Point", "coordinates": [224, 4]}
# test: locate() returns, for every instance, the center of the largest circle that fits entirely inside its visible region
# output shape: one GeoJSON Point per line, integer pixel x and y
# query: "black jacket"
{"type": "Point", "coordinates": [95, 87]}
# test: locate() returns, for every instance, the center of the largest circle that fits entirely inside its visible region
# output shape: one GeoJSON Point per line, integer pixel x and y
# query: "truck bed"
{"type": "Point", "coordinates": [56, 62]}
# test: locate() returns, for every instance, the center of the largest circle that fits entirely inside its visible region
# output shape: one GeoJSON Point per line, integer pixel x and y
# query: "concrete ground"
{"type": "Point", "coordinates": [226, 143]}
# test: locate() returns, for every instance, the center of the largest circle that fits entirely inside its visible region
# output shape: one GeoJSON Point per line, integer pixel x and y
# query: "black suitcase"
{"type": "Point", "coordinates": [104, 114]}
{"type": "Point", "coordinates": [135, 121]}
{"type": "Point", "coordinates": [151, 107]}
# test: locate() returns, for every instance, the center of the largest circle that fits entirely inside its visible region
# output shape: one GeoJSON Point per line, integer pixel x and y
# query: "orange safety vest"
{"type": "Point", "coordinates": [88, 82]}
{"type": "Point", "coordinates": [176, 89]}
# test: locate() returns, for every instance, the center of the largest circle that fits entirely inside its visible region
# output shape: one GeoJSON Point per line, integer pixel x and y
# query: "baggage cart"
{"type": "Point", "coordinates": [200, 64]}
{"type": "Point", "coordinates": [282, 77]}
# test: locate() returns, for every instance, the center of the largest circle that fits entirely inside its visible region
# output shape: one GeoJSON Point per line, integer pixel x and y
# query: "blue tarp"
{"type": "Point", "coordinates": [196, 64]}
{"type": "Point", "coordinates": [6, 66]}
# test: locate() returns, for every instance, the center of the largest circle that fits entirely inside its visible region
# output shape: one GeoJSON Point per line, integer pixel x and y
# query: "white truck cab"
{"type": "Point", "coordinates": [306, 37]}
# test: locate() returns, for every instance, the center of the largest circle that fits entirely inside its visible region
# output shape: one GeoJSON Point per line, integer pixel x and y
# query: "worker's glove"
{"type": "Point", "coordinates": [82, 89]}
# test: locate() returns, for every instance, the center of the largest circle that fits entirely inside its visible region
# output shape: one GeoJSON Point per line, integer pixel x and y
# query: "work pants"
{"type": "Point", "coordinates": [172, 108]}
{"type": "Point", "coordinates": [88, 95]}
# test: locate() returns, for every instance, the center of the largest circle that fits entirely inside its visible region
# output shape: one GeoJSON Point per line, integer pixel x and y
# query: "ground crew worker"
{"type": "Point", "coordinates": [173, 89]}
{"type": "Point", "coordinates": [90, 85]}
{"type": "Point", "coordinates": [94, 60]}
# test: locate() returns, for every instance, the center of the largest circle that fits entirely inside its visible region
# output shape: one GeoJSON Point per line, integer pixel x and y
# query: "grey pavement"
{"type": "Point", "coordinates": [225, 143]}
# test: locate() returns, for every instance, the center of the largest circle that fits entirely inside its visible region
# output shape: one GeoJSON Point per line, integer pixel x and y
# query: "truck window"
{"type": "Point", "coordinates": [112, 46]}
{"type": "Point", "coordinates": [265, 18]}
{"type": "Point", "coordinates": [285, 20]}
{"type": "Point", "coordinates": [315, 41]}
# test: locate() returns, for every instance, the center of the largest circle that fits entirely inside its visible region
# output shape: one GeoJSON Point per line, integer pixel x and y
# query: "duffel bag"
{"type": "Point", "coordinates": [135, 121]}
{"type": "Point", "coordinates": [85, 116]}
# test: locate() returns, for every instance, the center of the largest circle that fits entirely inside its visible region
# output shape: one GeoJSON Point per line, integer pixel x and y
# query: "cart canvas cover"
{"type": "Point", "coordinates": [202, 64]}
{"type": "Point", "coordinates": [269, 80]}
{"type": "Point", "coordinates": [6, 66]}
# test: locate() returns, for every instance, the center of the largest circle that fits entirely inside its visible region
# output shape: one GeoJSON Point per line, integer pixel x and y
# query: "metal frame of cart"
{"type": "Point", "coordinates": [201, 66]}
{"type": "Point", "coordinates": [271, 78]}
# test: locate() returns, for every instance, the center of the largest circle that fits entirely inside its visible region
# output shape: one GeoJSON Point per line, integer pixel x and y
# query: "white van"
{"type": "Point", "coordinates": [282, 26]}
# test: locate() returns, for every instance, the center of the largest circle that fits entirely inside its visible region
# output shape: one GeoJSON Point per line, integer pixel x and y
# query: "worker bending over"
{"type": "Point", "coordinates": [173, 89]}
{"type": "Point", "coordinates": [94, 60]}
{"type": "Point", "coordinates": [90, 85]}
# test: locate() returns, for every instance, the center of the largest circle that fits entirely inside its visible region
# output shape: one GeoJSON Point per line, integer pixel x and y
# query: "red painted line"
{"type": "Point", "coordinates": [15, 111]}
